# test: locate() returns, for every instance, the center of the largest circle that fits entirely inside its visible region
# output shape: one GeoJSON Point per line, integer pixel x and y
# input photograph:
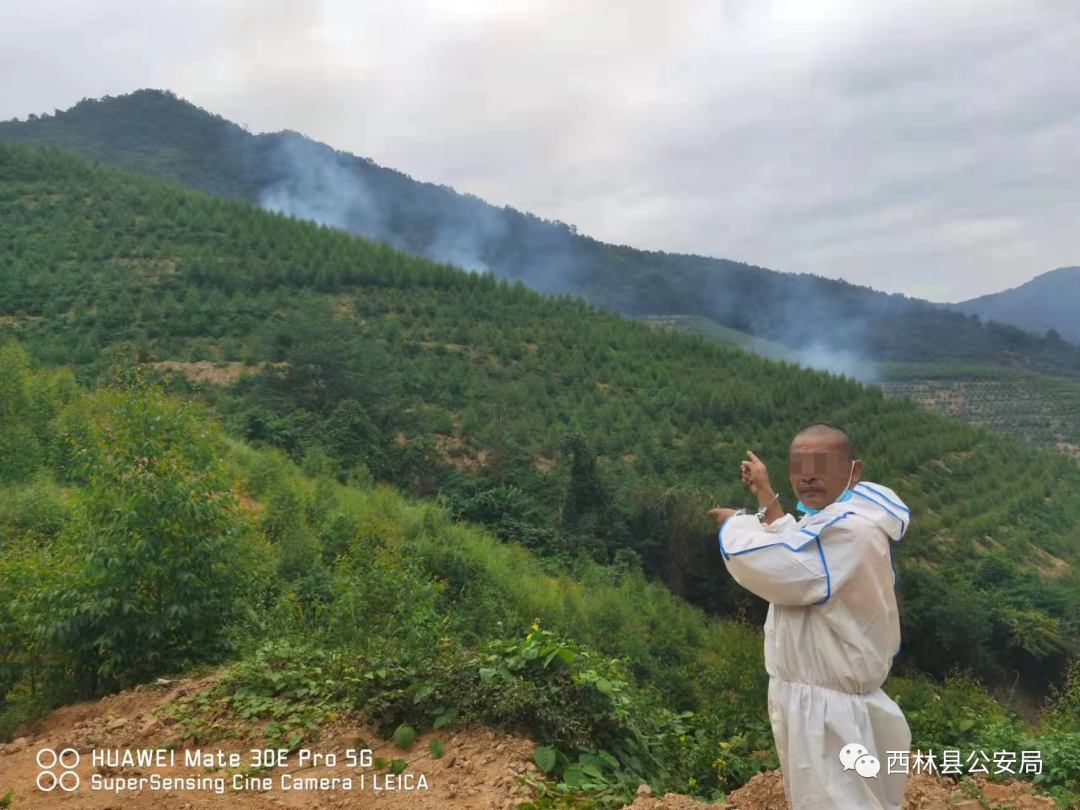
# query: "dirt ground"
{"type": "Point", "coordinates": [924, 792]}
{"type": "Point", "coordinates": [480, 769]}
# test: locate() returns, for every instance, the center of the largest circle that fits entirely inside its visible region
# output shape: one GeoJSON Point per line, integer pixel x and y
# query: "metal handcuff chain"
{"type": "Point", "coordinates": [760, 513]}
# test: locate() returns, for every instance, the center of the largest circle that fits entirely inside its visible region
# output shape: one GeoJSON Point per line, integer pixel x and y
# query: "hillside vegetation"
{"type": "Point", "coordinates": [155, 132]}
{"type": "Point", "coordinates": [1035, 408]}
{"type": "Point", "coordinates": [137, 539]}
{"type": "Point", "coordinates": [330, 599]}
{"type": "Point", "coordinates": [583, 436]}
{"type": "Point", "coordinates": [724, 334]}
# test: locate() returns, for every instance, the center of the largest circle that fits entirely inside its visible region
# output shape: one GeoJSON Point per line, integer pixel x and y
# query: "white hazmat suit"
{"type": "Point", "coordinates": [831, 635]}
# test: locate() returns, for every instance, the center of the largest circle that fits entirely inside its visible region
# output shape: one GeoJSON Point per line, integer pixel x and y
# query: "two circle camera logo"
{"type": "Point", "coordinates": [67, 760]}
{"type": "Point", "coordinates": [855, 756]}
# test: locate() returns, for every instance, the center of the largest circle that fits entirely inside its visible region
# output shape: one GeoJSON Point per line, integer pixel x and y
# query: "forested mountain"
{"type": "Point", "coordinates": [1048, 301]}
{"type": "Point", "coordinates": [155, 132]}
{"type": "Point", "coordinates": [573, 431]}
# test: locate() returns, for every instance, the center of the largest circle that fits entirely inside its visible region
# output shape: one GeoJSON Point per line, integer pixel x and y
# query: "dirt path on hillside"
{"type": "Point", "coordinates": [480, 770]}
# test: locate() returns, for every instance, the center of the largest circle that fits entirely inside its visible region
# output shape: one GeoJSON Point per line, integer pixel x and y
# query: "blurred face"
{"type": "Point", "coordinates": [819, 469]}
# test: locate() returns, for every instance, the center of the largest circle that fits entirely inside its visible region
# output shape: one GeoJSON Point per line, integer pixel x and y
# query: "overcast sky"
{"type": "Point", "coordinates": [930, 147]}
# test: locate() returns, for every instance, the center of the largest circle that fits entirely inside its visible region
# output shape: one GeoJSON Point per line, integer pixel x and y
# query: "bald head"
{"type": "Point", "coordinates": [824, 432]}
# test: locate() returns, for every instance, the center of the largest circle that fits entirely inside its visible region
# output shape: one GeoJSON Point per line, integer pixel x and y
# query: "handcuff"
{"type": "Point", "coordinates": [760, 513]}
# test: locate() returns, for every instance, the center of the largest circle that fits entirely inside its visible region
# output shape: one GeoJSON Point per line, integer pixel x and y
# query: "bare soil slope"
{"type": "Point", "coordinates": [480, 769]}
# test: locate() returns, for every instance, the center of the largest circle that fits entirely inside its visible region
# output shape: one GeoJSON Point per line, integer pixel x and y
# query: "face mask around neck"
{"type": "Point", "coordinates": [844, 496]}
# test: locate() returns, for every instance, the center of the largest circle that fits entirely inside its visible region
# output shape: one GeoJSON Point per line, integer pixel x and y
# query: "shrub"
{"type": "Point", "coordinates": [166, 558]}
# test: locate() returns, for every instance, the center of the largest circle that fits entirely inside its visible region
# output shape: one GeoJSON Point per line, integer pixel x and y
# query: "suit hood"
{"type": "Point", "coordinates": [880, 505]}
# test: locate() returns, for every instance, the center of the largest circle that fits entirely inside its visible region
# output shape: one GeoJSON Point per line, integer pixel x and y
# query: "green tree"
{"type": "Point", "coordinates": [166, 563]}
{"type": "Point", "coordinates": [20, 449]}
{"type": "Point", "coordinates": [586, 500]}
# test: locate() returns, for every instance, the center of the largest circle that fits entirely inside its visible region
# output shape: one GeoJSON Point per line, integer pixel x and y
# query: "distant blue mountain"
{"type": "Point", "coordinates": [1049, 301]}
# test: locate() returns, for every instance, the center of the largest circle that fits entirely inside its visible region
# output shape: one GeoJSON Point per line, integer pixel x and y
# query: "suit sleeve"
{"type": "Point", "coordinates": [786, 565]}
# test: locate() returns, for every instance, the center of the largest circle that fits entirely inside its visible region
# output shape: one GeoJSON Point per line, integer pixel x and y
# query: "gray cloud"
{"type": "Point", "coordinates": [930, 147]}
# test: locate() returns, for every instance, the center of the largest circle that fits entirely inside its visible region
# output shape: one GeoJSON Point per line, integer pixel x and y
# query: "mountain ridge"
{"type": "Point", "coordinates": [1050, 300]}
{"type": "Point", "coordinates": [155, 132]}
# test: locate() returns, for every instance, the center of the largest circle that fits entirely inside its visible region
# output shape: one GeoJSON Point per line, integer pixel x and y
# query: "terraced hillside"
{"type": "Point", "coordinates": [1033, 407]}
{"type": "Point", "coordinates": [1036, 408]}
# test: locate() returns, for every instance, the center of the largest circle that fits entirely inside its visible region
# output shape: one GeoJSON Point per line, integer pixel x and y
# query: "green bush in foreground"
{"type": "Point", "coordinates": [959, 714]}
{"type": "Point", "coordinates": [599, 733]}
{"type": "Point", "coordinates": [140, 574]}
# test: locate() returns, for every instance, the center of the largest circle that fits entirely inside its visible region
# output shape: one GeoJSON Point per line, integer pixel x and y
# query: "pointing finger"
{"type": "Point", "coordinates": [752, 456]}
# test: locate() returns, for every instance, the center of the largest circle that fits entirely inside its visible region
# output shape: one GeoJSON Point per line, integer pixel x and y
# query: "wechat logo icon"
{"type": "Point", "coordinates": [856, 756]}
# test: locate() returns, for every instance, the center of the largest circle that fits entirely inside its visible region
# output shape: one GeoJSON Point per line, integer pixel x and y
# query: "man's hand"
{"type": "Point", "coordinates": [755, 476]}
{"type": "Point", "coordinates": [722, 515]}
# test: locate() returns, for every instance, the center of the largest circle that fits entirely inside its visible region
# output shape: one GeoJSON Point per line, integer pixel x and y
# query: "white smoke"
{"type": "Point", "coordinates": [316, 185]}
{"type": "Point", "coordinates": [465, 237]}
{"type": "Point", "coordinates": [845, 364]}
{"type": "Point", "coordinates": [311, 181]}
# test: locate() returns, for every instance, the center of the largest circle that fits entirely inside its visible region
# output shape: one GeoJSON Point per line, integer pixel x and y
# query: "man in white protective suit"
{"type": "Point", "coordinates": [833, 628]}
